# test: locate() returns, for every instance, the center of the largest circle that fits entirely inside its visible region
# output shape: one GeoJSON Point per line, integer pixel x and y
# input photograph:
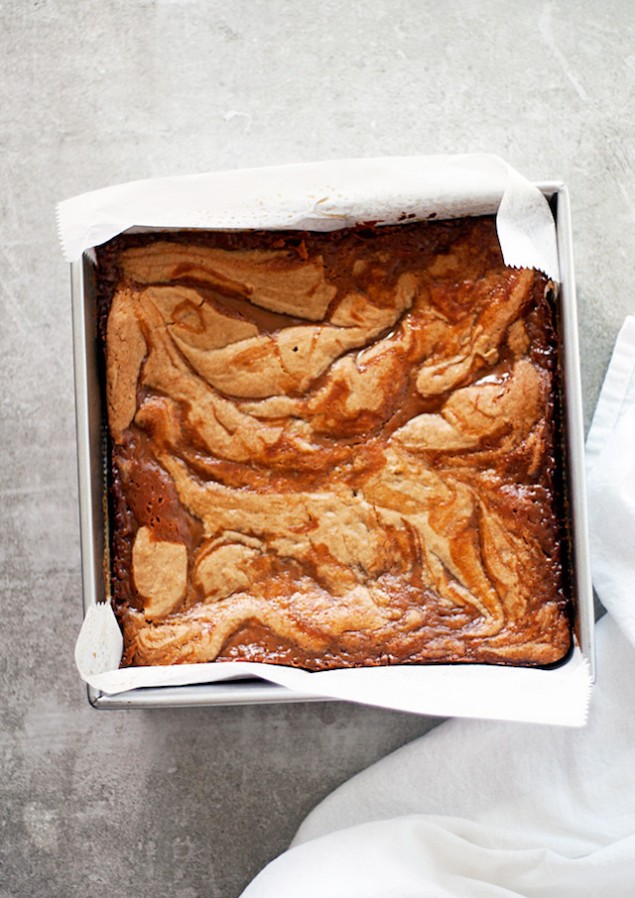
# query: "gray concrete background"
{"type": "Point", "coordinates": [192, 803]}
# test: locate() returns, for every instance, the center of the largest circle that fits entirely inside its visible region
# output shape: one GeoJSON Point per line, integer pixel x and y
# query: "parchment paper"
{"type": "Point", "coordinates": [325, 196]}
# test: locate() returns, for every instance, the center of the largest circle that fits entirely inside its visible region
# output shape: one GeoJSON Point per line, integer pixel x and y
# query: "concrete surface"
{"type": "Point", "coordinates": [192, 803]}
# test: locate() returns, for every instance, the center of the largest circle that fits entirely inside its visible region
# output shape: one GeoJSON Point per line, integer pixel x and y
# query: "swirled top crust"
{"type": "Point", "coordinates": [333, 450]}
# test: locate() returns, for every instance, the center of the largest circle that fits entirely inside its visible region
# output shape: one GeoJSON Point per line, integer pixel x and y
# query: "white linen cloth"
{"type": "Point", "coordinates": [476, 808]}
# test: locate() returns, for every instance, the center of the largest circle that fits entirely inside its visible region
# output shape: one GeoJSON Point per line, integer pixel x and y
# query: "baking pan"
{"type": "Point", "coordinates": [92, 467]}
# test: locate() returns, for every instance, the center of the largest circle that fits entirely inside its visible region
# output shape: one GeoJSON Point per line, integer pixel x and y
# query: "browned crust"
{"type": "Point", "coordinates": [353, 435]}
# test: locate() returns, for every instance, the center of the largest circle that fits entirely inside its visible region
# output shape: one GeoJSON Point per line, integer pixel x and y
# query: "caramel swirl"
{"type": "Point", "coordinates": [333, 450]}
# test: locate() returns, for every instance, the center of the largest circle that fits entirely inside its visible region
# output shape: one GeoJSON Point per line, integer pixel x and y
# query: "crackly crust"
{"type": "Point", "coordinates": [347, 441]}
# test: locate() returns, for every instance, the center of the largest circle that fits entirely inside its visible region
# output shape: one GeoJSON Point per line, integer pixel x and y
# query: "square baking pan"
{"type": "Point", "coordinates": [92, 471]}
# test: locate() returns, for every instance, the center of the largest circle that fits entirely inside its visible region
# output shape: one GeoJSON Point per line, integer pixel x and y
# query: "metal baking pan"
{"type": "Point", "coordinates": [92, 465]}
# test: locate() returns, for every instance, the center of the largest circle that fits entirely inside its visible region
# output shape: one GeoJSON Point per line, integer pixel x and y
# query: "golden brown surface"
{"type": "Point", "coordinates": [333, 450]}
